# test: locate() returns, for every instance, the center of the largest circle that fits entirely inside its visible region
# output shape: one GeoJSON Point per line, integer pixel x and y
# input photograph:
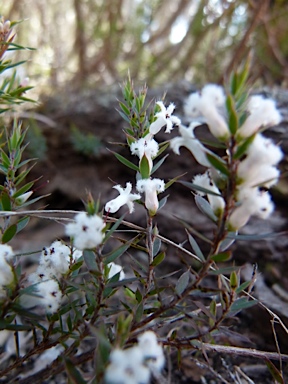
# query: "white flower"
{"type": "Point", "coordinates": [214, 94]}
{"type": "Point", "coordinates": [192, 105]}
{"type": "Point", "coordinates": [262, 114]}
{"type": "Point", "coordinates": [152, 351]}
{"type": "Point", "coordinates": [23, 198]}
{"type": "Point", "coordinates": [252, 202]}
{"type": "Point", "coordinates": [189, 141]}
{"type": "Point", "coordinates": [151, 187]}
{"type": "Point", "coordinates": [217, 202]}
{"type": "Point", "coordinates": [164, 118]}
{"type": "Point", "coordinates": [125, 197]}
{"type": "Point", "coordinates": [86, 231]}
{"type": "Point", "coordinates": [261, 151]}
{"type": "Point", "coordinates": [259, 175]}
{"type": "Point", "coordinates": [126, 367]}
{"type": "Point", "coordinates": [55, 260]}
{"type": "Point", "coordinates": [147, 147]}
{"type": "Point", "coordinates": [6, 272]}
{"type": "Point", "coordinates": [50, 295]}
{"type": "Point", "coordinates": [114, 269]}
{"type": "Point", "coordinates": [206, 104]}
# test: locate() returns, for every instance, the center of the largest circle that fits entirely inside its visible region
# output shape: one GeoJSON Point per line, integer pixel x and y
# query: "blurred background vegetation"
{"type": "Point", "coordinates": [82, 43]}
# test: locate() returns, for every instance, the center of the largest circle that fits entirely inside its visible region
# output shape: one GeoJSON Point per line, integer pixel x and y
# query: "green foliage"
{"type": "Point", "coordinates": [87, 144]}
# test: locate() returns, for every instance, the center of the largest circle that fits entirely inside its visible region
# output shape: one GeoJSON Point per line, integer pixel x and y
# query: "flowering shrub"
{"type": "Point", "coordinates": [80, 306]}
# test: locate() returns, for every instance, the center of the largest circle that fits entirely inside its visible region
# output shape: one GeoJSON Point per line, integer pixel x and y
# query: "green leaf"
{"type": "Point", "coordinates": [195, 247]}
{"type": "Point", "coordinates": [274, 372]}
{"type": "Point", "coordinates": [205, 208]}
{"type": "Point", "coordinates": [243, 147]}
{"type": "Point", "coordinates": [21, 224]}
{"type": "Point", "coordinates": [6, 202]}
{"type": "Point", "coordinates": [144, 167]}
{"type": "Point", "coordinates": [162, 202]}
{"type": "Point", "coordinates": [182, 283]}
{"type": "Point", "coordinates": [218, 163]}
{"type": "Point", "coordinates": [124, 161]}
{"type": "Point", "coordinates": [243, 286]}
{"type": "Point", "coordinates": [158, 164]}
{"type": "Point", "coordinates": [233, 280]}
{"type": "Point", "coordinates": [139, 312]}
{"type": "Point", "coordinates": [232, 115]}
{"type": "Point", "coordinates": [156, 246]}
{"type": "Point", "coordinates": [90, 260]}
{"type": "Point", "coordinates": [9, 233]}
{"type": "Point", "coordinates": [124, 108]}
{"type": "Point", "coordinates": [112, 256]}
{"type": "Point", "coordinates": [221, 257]}
{"type": "Point", "coordinates": [23, 189]}
{"type": "Point", "coordinates": [158, 259]}
{"type": "Point", "coordinates": [242, 303]}
{"type": "Point", "coordinates": [113, 228]}
{"type": "Point", "coordinates": [196, 187]}
{"type": "Point", "coordinates": [138, 296]}
{"type": "Point", "coordinates": [73, 374]}
{"type": "Point", "coordinates": [14, 327]}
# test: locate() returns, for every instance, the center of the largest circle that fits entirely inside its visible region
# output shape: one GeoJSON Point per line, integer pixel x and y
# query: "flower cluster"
{"type": "Point", "coordinates": [54, 262]}
{"type": "Point", "coordinates": [146, 148]}
{"type": "Point", "coordinates": [135, 365]}
{"type": "Point", "coordinates": [255, 170]}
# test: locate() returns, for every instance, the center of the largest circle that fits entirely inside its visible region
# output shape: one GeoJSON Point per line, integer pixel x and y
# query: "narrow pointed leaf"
{"type": "Point", "coordinates": [158, 259]}
{"type": "Point", "coordinates": [218, 163]}
{"type": "Point", "coordinates": [126, 162]}
{"type": "Point", "coordinates": [9, 233]}
{"type": "Point", "coordinates": [182, 283]}
{"type": "Point", "coordinates": [195, 247]}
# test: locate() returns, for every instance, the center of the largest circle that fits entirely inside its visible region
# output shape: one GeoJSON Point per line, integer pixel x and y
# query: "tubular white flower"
{"type": "Point", "coordinates": [252, 202]}
{"type": "Point", "coordinates": [126, 367]}
{"type": "Point", "coordinates": [214, 94]}
{"type": "Point", "coordinates": [151, 187]}
{"type": "Point", "coordinates": [188, 140]}
{"type": "Point", "coordinates": [164, 118]}
{"type": "Point", "coordinates": [192, 106]}
{"type": "Point", "coordinates": [261, 151]}
{"type": "Point", "coordinates": [86, 231]}
{"type": "Point", "coordinates": [206, 104]}
{"type": "Point", "coordinates": [147, 147]}
{"type": "Point", "coordinates": [152, 351]}
{"type": "Point", "coordinates": [125, 197]}
{"type": "Point", "coordinates": [217, 202]}
{"type": "Point", "coordinates": [259, 175]}
{"type": "Point", "coordinates": [263, 113]}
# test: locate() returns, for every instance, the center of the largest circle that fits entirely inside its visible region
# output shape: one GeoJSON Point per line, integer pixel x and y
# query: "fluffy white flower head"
{"type": "Point", "coordinates": [263, 114]}
{"type": "Point", "coordinates": [125, 197]}
{"type": "Point", "coordinates": [50, 295]}
{"type": "Point", "coordinates": [56, 259]}
{"type": "Point", "coordinates": [147, 147]}
{"type": "Point", "coordinates": [152, 351]}
{"type": "Point", "coordinates": [206, 104]}
{"type": "Point", "coordinates": [164, 117]}
{"type": "Point", "coordinates": [214, 94]}
{"type": "Point", "coordinates": [151, 187]}
{"type": "Point", "coordinates": [126, 367]}
{"type": "Point", "coordinates": [86, 231]}
{"type": "Point", "coordinates": [253, 202]}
